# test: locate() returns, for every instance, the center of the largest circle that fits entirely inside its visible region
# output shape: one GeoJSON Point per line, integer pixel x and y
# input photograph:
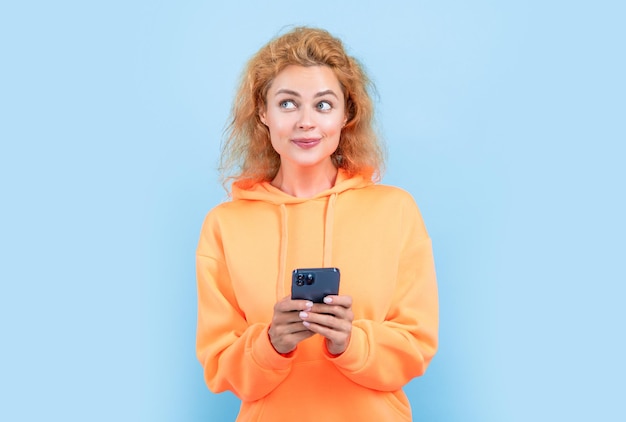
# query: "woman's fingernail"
{"type": "Point", "coordinates": [328, 299]}
{"type": "Point", "coordinates": [309, 305]}
{"type": "Point", "coordinates": [306, 323]}
{"type": "Point", "coordinates": [303, 314]}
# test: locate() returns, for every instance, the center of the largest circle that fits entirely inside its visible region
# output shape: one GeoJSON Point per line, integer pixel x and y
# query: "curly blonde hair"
{"type": "Point", "coordinates": [247, 153]}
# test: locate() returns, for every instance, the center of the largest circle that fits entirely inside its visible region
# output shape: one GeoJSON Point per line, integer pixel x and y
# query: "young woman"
{"type": "Point", "coordinates": [306, 159]}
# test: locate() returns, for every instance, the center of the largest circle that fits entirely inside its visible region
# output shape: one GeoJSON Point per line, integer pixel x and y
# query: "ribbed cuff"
{"type": "Point", "coordinates": [355, 355]}
{"type": "Point", "coordinates": [266, 356]}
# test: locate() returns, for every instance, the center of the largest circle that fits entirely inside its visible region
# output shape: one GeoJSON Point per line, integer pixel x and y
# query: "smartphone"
{"type": "Point", "coordinates": [314, 283]}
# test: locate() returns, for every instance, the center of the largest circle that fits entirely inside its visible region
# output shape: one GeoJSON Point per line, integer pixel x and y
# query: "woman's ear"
{"type": "Point", "coordinates": [262, 116]}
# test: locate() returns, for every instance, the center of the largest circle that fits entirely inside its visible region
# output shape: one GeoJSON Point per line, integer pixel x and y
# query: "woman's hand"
{"type": "Point", "coordinates": [287, 328]}
{"type": "Point", "coordinates": [333, 320]}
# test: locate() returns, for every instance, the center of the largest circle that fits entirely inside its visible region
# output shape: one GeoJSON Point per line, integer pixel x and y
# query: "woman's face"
{"type": "Point", "coordinates": [305, 112]}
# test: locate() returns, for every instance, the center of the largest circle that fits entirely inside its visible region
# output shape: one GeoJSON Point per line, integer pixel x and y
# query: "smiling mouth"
{"type": "Point", "coordinates": [306, 143]}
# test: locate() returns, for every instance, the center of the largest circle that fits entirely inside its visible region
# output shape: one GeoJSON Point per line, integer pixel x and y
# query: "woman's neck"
{"type": "Point", "coordinates": [305, 182]}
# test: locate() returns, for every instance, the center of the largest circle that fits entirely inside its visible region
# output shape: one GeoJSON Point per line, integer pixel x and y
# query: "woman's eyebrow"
{"type": "Point", "coordinates": [327, 92]}
{"type": "Point", "coordinates": [296, 94]}
{"type": "Point", "coordinates": [288, 91]}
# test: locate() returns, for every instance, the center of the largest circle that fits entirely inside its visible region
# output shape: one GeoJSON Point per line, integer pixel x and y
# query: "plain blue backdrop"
{"type": "Point", "coordinates": [505, 120]}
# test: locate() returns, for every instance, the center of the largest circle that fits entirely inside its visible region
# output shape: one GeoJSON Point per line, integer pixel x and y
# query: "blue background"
{"type": "Point", "coordinates": [505, 120]}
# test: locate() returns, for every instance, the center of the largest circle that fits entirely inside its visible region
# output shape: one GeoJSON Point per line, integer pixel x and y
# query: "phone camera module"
{"type": "Point", "coordinates": [300, 280]}
{"type": "Point", "coordinates": [310, 279]}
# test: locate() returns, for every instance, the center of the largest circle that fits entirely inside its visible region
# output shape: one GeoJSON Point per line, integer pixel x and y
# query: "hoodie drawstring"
{"type": "Point", "coordinates": [328, 231]}
{"type": "Point", "coordinates": [282, 260]}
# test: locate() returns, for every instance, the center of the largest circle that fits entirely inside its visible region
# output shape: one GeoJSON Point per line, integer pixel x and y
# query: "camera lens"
{"type": "Point", "coordinates": [309, 279]}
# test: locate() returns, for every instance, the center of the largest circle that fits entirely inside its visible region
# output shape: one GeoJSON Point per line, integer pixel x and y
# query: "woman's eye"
{"type": "Point", "coordinates": [324, 106]}
{"type": "Point", "coordinates": [287, 104]}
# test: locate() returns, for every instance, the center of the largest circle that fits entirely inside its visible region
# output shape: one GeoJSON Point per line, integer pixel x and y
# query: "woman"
{"type": "Point", "coordinates": [306, 156]}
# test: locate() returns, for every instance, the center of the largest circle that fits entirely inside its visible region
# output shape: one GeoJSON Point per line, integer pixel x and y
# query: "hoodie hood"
{"type": "Point", "coordinates": [265, 192]}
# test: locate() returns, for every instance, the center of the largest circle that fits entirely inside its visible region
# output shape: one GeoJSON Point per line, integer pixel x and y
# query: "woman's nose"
{"type": "Point", "coordinates": [305, 120]}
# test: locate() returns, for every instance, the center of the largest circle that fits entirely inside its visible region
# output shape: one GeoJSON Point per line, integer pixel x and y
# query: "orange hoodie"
{"type": "Point", "coordinates": [248, 247]}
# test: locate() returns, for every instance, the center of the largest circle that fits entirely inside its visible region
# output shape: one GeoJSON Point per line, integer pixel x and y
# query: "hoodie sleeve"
{"type": "Point", "coordinates": [235, 356]}
{"type": "Point", "coordinates": [387, 355]}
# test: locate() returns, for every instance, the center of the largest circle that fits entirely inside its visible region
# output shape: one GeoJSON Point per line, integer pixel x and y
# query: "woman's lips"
{"type": "Point", "coordinates": [306, 143]}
